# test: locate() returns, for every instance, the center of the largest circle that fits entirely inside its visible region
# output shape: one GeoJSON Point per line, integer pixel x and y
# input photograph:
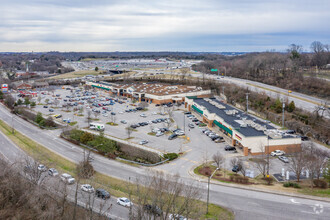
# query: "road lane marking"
{"type": "Point", "coordinates": [293, 201]}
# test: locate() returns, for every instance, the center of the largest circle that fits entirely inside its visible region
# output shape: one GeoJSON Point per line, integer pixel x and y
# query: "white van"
{"type": "Point", "coordinates": [67, 178]}
{"type": "Point", "coordinates": [96, 126]}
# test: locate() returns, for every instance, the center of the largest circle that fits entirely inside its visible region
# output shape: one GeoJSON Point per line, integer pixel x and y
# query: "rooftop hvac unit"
{"type": "Point", "coordinates": [243, 125]}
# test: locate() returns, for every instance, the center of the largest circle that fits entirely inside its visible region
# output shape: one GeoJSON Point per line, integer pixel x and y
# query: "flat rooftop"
{"type": "Point", "coordinates": [158, 89]}
{"type": "Point", "coordinates": [238, 119]}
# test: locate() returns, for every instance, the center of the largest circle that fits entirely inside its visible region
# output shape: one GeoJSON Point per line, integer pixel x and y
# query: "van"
{"type": "Point", "coordinates": [67, 178]}
{"type": "Point", "coordinates": [96, 126]}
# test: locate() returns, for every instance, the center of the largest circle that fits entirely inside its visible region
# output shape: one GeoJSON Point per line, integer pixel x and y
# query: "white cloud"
{"type": "Point", "coordinates": [109, 25]}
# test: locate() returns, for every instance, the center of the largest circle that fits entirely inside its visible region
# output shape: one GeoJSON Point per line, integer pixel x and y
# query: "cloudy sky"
{"type": "Point", "coordinates": [162, 25]}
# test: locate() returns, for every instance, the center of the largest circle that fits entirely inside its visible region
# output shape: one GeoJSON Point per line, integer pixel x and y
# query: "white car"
{"type": "Point", "coordinates": [67, 178]}
{"type": "Point", "coordinates": [143, 115]}
{"type": "Point", "coordinates": [277, 153]}
{"type": "Point", "coordinates": [42, 168]}
{"type": "Point", "coordinates": [87, 188]}
{"type": "Point", "coordinates": [176, 217]}
{"type": "Point", "coordinates": [154, 113]}
{"type": "Point", "coordinates": [124, 202]}
{"type": "Point", "coordinates": [120, 112]}
{"type": "Point", "coordinates": [143, 142]}
{"type": "Point", "coordinates": [159, 133]}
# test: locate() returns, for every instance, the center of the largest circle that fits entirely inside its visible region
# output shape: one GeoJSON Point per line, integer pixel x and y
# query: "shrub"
{"type": "Point", "coordinates": [320, 183]}
{"type": "Point", "coordinates": [269, 180]}
{"type": "Point", "coordinates": [39, 118]}
{"type": "Point", "coordinates": [290, 184]}
{"type": "Point", "coordinates": [86, 137]}
{"type": "Point", "coordinates": [231, 178]}
{"type": "Point", "coordinates": [171, 156]}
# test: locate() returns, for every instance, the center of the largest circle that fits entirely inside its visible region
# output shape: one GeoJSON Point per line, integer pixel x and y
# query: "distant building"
{"type": "Point", "coordinates": [21, 85]}
{"type": "Point", "coordinates": [157, 93]}
{"type": "Point", "coordinates": [40, 84]}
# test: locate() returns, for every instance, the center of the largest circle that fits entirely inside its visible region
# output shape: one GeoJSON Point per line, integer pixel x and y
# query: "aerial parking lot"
{"type": "Point", "coordinates": [164, 128]}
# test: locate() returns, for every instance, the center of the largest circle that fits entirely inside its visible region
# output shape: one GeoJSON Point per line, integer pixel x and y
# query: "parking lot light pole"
{"type": "Point", "coordinates": [208, 190]}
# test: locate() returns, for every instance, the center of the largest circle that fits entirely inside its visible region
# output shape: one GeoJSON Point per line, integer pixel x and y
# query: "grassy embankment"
{"type": "Point", "coordinates": [116, 187]}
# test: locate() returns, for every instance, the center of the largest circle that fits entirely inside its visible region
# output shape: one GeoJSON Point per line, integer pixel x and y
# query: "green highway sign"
{"type": "Point", "coordinates": [214, 70]}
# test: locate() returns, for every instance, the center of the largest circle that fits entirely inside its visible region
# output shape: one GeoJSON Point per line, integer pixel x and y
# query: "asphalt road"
{"type": "Point", "coordinates": [247, 204]}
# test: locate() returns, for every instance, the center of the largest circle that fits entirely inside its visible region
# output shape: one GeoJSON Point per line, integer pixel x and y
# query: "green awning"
{"type": "Point", "coordinates": [197, 110]}
{"type": "Point", "coordinates": [223, 127]}
{"type": "Point", "coordinates": [100, 87]}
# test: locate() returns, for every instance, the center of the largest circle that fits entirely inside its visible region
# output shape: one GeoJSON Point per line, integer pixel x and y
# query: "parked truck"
{"type": "Point", "coordinates": [96, 126]}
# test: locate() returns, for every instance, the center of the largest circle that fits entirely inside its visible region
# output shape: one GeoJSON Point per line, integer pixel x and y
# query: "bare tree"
{"type": "Point", "coordinates": [165, 193]}
{"type": "Point", "coordinates": [218, 159]}
{"type": "Point", "coordinates": [183, 72]}
{"type": "Point", "coordinates": [39, 99]}
{"type": "Point", "coordinates": [316, 160]}
{"type": "Point", "coordinates": [96, 114]}
{"type": "Point", "coordinates": [129, 131]}
{"type": "Point", "coordinates": [89, 113]}
{"type": "Point", "coordinates": [56, 102]}
{"type": "Point", "coordinates": [261, 163]}
{"type": "Point", "coordinates": [298, 163]}
{"type": "Point", "coordinates": [242, 167]}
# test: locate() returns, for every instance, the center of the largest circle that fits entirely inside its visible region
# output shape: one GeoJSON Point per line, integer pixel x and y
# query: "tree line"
{"type": "Point", "coordinates": [293, 70]}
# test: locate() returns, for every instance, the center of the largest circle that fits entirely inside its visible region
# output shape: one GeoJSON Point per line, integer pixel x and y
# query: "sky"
{"type": "Point", "coordinates": [162, 25]}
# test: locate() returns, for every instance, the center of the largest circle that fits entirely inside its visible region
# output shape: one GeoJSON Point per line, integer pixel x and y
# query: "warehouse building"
{"type": "Point", "coordinates": [252, 135]}
{"type": "Point", "coordinates": [157, 93]}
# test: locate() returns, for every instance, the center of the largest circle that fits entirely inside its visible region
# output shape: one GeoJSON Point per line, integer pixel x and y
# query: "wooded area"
{"type": "Point", "coordinates": [293, 70]}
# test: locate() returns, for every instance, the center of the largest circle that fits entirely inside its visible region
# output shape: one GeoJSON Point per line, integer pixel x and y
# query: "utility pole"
{"type": "Point", "coordinates": [208, 190]}
{"type": "Point", "coordinates": [247, 102]}
{"type": "Point", "coordinates": [283, 106]}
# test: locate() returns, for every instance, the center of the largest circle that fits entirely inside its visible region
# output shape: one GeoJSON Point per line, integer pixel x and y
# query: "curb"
{"type": "Point", "coordinates": [202, 179]}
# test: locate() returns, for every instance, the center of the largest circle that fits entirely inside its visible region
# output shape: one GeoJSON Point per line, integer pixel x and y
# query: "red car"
{"type": "Point", "coordinates": [99, 104]}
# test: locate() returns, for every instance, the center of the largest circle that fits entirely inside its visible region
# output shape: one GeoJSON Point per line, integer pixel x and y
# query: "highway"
{"type": "Point", "coordinates": [302, 101]}
{"type": "Point", "coordinates": [246, 204]}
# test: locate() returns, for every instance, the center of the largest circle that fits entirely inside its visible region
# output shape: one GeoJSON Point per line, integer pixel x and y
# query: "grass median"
{"type": "Point", "coordinates": [116, 187]}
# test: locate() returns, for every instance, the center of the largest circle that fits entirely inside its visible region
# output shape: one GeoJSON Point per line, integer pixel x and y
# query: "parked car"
{"type": "Point", "coordinates": [123, 121]}
{"type": "Point", "coordinates": [191, 125]}
{"type": "Point", "coordinates": [152, 209]}
{"type": "Point", "coordinates": [219, 140]}
{"type": "Point", "coordinates": [52, 172]}
{"type": "Point", "coordinates": [67, 178]}
{"type": "Point", "coordinates": [290, 132]}
{"type": "Point", "coordinates": [159, 133]}
{"type": "Point", "coordinates": [277, 153]}
{"type": "Point", "coordinates": [51, 110]}
{"type": "Point", "coordinates": [173, 136]}
{"type": "Point", "coordinates": [143, 142]}
{"type": "Point", "coordinates": [176, 217]}
{"type": "Point", "coordinates": [229, 148]}
{"type": "Point", "coordinates": [284, 159]}
{"type": "Point", "coordinates": [101, 193]}
{"type": "Point", "coordinates": [187, 113]}
{"type": "Point", "coordinates": [112, 113]}
{"type": "Point", "coordinates": [143, 115]}
{"type": "Point", "coordinates": [87, 188]}
{"type": "Point", "coordinates": [42, 168]}
{"type": "Point", "coordinates": [236, 168]}
{"type": "Point", "coordinates": [124, 202]}
{"type": "Point", "coordinates": [304, 138]}
{"type": "Point", "coordinates": [45, 106]}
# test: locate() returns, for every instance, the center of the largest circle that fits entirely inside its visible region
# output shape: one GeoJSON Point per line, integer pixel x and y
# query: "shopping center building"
{"type": "Point", "coordinates": [157, 93]}
{"type": "Point", "coordinates": [252, 135]}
